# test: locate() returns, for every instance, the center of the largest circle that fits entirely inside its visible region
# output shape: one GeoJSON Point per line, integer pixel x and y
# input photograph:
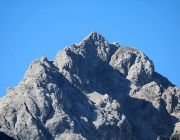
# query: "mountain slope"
{"type": "Point", "coordinates": [91, 90]}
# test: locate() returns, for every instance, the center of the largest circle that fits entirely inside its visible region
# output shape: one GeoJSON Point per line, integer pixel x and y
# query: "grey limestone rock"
{"type": "Point", "coordinates": [92, 90]}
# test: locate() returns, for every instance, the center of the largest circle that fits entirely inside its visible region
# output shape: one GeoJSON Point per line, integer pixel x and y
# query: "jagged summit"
{"type": "Point", "coordinates": [91, 90]}
{"type": "Point", "coordinates": [94, 37]}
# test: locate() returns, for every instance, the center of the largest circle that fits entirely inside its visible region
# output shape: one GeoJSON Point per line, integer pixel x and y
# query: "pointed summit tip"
{"type": "Point", "coordinates": [95, 36]}
{"type": "Point", "coordinates": [44, 58]}
{"type": "Point", "coordinates": [94, 33]}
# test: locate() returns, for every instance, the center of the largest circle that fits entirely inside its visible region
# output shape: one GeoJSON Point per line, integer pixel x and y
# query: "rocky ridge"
{"type": "Point", "coordinates": [92, 90]}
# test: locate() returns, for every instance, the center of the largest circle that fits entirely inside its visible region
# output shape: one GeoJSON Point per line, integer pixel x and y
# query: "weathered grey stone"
{"type": "Point", "coordinates": [92, 90]}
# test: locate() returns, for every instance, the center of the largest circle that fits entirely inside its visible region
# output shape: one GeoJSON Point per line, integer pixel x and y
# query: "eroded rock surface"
{"type": "Point", "coordinates": [91, 90]}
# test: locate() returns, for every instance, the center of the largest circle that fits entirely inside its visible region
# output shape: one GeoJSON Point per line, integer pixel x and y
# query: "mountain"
{"type": "Point", "coordinates": [95, 91]}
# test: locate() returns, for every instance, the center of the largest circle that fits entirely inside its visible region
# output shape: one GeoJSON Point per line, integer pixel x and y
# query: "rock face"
{"type": "Point", "coordinates": [92, 90]}
{"type": "Point", "coordinates": [5, 137]}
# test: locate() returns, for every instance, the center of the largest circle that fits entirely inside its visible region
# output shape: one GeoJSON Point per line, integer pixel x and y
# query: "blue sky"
{"type": "Point", "coordinates": [30, 29]}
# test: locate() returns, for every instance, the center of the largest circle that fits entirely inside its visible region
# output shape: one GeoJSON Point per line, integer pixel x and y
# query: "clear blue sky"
{"type": "Point", "coordinates": [30, 29]}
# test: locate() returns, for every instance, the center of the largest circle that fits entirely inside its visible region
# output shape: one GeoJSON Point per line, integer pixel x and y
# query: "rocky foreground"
{"type": "Point", "coordinates": [95, 91]}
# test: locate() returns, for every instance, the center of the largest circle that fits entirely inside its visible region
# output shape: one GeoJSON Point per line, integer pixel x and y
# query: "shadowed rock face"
{"type": "Point", "coordinates": [5, 137]}
{"type": "Point", "coordinates": [91, 90]}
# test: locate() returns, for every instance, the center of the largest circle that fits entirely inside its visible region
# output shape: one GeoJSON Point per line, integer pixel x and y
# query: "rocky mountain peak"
{"type": "Point", "coordinates": [95, 36]}
{"type": "Point", "coordinates": [92, 90]}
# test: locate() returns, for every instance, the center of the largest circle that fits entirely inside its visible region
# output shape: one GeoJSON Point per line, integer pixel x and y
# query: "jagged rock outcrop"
{"type": "Point", "coordinates": [92, 90]}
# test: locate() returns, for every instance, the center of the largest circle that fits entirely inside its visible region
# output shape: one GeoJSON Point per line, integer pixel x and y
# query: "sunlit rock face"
{"type": "Point", "coordinates": [91, 90]}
